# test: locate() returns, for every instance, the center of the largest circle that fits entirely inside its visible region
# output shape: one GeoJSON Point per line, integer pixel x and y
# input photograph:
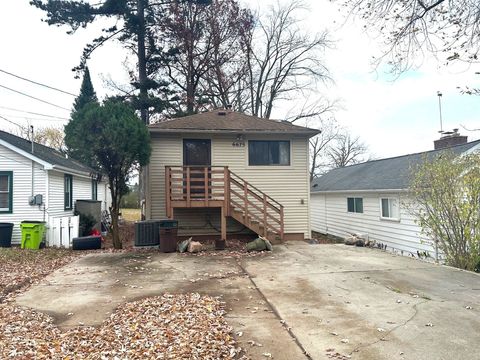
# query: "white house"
{"type": "Point", "coordinates": [369, 199]}
{"type": "Point", "coordinates": [225, 173]}
{"type": "Point", "coordinates": [38, 183]}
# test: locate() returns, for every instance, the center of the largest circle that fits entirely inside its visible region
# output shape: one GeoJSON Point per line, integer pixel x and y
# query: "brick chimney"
{"type": "Point", "coordinates": [449, 139]}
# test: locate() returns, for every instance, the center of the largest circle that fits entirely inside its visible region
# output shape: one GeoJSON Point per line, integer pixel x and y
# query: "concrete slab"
{"type": "Point", "coordinates": [323, 299]}
{"type": "Point", "coordinates": [368, 304]}
{"type": "Point", "coordinates": [87, 291]}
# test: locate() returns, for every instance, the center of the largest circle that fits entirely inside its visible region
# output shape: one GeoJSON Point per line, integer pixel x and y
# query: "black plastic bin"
{"type": "Point", "coordinates": [87, 243]}
{"type": "Point", "coordinates": [6, 234]}
{"type": "Point", "coordinates": [168, 230]}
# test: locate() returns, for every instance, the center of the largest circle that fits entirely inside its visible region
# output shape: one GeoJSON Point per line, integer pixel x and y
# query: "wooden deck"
{"type": "Point", "coordinates": [218, 187]}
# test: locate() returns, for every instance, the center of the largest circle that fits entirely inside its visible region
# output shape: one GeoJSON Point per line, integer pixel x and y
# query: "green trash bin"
{"type": "Point", "coordinates": [32, 234]}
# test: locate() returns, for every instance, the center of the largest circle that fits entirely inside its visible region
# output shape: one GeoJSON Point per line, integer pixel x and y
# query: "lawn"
{"type": "Point", "coordinates": [130, 214]}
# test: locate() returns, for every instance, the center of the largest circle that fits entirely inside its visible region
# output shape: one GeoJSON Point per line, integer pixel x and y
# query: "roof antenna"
{"type": "Point", "coordinates": [439, 94]}
{"type": "Point", "coordinates": [31, 128]}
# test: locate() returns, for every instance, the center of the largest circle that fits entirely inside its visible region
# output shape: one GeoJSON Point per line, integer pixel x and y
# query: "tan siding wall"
{"type": "Point", "coordinates": [22, 189]}
{"type": "Point", "coordinates": [404, 235]}
{"type": "Point", "coordinates": [289, 185]}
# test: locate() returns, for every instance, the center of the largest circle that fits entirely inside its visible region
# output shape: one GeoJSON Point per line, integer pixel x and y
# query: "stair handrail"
{"type": "Point", "coordinates": [257, 189]}
{"type": "Point", "coordinates": [262, 198]}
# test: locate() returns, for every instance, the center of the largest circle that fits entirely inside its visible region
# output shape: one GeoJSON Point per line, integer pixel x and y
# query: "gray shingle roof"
{"type": "Point", "coordinates": [384, 174]}
{"type": "Point", "coordinates": [229, 121]}
{"type": "Point", "coordinates": [45, 153]}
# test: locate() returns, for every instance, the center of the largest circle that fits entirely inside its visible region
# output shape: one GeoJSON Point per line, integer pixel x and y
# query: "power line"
{"type": "Point", "coordinates": [33, 97]}
{"type": "Point", "coordinates": [11, 122]}
{"type": "Point", "coordinates": [37, 83]}
{"type": "Point", "coordinates": [35, 118]}
{"type": "Point", "coordinates": [33, 113]}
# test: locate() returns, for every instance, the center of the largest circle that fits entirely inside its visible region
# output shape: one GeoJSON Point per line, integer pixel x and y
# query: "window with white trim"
{"type": "Point", "coordinates": [68, 192]}
{"type": "Point", "coordinates": [389, 208]}
{"type": "Point", "coordinates": [94, 189]}
{"type": "Point", "coordinates": [6, 192]}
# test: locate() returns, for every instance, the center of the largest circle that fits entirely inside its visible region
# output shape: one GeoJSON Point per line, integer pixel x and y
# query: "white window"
{"type": "Point", "coordinates": [390, 208]}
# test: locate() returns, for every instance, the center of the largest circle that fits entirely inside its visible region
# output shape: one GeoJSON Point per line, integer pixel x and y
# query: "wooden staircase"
{"type": "Point", "coordinates": [212, 186]}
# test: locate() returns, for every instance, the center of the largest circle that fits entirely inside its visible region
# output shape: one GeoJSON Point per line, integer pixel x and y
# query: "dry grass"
{"type": "Point", "coordinates": [130, 214]}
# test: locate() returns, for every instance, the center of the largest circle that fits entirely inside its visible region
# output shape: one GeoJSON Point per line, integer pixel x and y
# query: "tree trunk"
{"type": "Point", "coordinates": [117, 243]}
{"type": "Point", "coordinates": [114, 210]}
{"type": "Point", "coordinates": [142, 79]}
{"type": "Point", "coordinates": [142, 63]}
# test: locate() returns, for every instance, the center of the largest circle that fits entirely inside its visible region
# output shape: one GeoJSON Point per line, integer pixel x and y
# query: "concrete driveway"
{"type": "Point", "coordinates": [300, 302]}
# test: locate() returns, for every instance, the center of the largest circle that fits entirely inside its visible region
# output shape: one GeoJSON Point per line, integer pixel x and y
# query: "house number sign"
{"type": "Point", "coordinates": [238, 144]}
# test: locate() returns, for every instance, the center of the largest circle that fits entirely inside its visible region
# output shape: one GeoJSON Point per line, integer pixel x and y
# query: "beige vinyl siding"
{"type": "Point", "coordinates": [399, 235]}
{"type": "Point", "coordinates": [289, 185]}
{"type": "Point", "coordinates": [22, 189]}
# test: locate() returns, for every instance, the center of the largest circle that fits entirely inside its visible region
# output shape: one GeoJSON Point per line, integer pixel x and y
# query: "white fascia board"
{"type": "Point", "coordinates": [71, 171]}
{"type": "Point", "coordinates": [46, 165]}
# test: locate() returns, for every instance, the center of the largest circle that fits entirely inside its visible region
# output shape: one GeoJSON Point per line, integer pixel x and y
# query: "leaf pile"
{"type": "Point", "coordinates": [22, 267]}
{"type": "Point", "coordinates": [183, 326]}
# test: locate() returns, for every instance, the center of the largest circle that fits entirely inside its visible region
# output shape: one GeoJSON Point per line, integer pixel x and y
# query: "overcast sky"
{"type": "Point", "coordinates": [393, 117]}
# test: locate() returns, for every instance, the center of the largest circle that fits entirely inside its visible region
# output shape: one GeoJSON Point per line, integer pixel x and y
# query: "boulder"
{"type": "Point", "coordinates": [194, 247]}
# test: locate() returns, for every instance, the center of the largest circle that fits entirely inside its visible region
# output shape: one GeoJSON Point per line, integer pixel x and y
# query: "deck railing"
{"type": "Point", "coordinates": [217, 186]}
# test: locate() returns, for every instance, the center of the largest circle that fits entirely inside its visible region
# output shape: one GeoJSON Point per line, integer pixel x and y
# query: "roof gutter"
{"type": "Point", "coordinates": [72, 171]}
{"type": "Point", "coordinates": [312, 192]}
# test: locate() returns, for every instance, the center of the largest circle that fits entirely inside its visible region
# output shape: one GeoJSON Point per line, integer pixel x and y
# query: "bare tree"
{"type": "Point", "coordinates": [282, 60]}
{"type": "Point", "coordinates": [448, 29]}
{"type": "Point", "coordinates": [346, 150]}
{"type": "Point", "coordinates": [50, 136]}
{"type": "Point", "coordinates": [320, 147]}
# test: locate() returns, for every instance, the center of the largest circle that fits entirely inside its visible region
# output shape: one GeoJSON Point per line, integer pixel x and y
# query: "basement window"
{"type": "Point", "coordinates": [262, 152]}
{"type": "Point", "coordinates": [389, 208]}
{"type": "Point", "coordinates": [355, 205]}
{"type": "Point", "coordinates": [6, 192]}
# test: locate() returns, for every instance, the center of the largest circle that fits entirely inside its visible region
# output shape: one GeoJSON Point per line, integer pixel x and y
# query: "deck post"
{"type": "Point", "coordinates": [167, 192]}
{"type": "Point", "coordinates": [226, 190]}
{"type": "Point", "coordinates": [282, 229]}
{"type": "Point", "coordinates": [188, 186]}
{"type": "Point", "coordinates": [265, 229]}
{"type": "Point", "coordinates": [224, 223]}
{"type": "Point", "coordinates": [245, 200]}
{"type": "Point", "coordinates": [206, 186]}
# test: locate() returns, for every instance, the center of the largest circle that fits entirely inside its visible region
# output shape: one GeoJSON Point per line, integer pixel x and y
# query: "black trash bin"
{"type": "Point", "coordinates": [6, 234]}
{"type": "Point", "coordinates": [168, 235]}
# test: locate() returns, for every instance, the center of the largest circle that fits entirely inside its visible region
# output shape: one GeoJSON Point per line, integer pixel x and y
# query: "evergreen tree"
{"type": "Point", "coordinates": [87, 92]}
{"type": "Point", "coordinates": [97, 134]}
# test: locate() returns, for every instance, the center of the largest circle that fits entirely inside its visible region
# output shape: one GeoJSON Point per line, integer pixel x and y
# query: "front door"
{"type": "Point", "coordinates": [197, 154]}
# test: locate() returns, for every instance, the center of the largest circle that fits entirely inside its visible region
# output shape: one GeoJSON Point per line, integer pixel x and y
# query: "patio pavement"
{"type": "Point", "coordinates": [301, 301]}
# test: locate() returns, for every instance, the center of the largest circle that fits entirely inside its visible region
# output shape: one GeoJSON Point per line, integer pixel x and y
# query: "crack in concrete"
{"type": "Point", "coordinates": [383, 338]}
{"type": "Point", "coordinates": [276, 313]}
